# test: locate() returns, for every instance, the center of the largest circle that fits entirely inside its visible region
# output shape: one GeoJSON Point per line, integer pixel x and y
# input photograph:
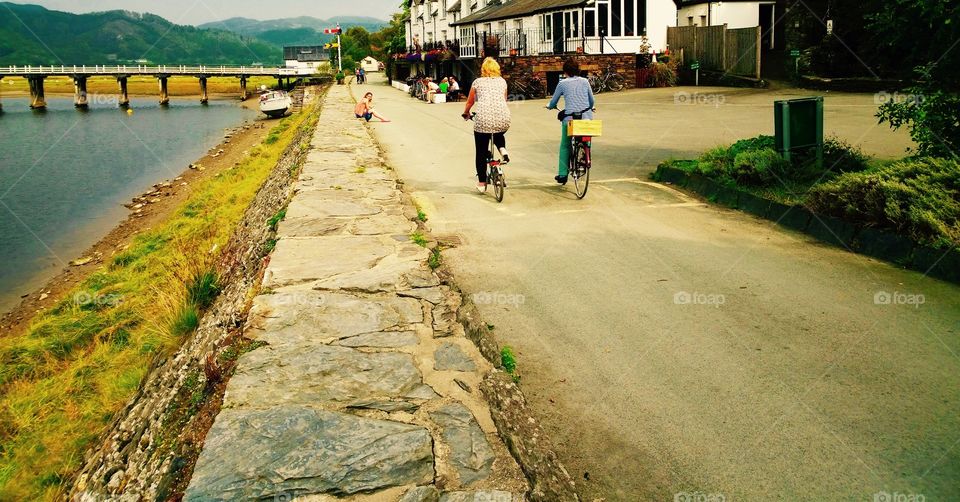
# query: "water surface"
{"type": "Point", "coordinates": [64, 174]}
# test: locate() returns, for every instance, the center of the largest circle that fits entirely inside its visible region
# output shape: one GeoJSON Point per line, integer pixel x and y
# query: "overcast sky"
{"type": "Point", "coordinates": [202, 11]}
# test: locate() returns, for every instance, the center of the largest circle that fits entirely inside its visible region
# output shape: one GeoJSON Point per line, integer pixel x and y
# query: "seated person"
{"type": "Point", "coordinates": [364, 109]}
{"type": "Point", "coordinates": [432, 89]}
{"type": "Point", "coordinates": [454, 93]}
{"type": "Point", "coordinates": [444, 85]}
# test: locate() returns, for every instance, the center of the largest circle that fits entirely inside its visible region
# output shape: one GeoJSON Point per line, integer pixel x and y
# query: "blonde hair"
{"type": "Point", "coordinates": [490, 68]}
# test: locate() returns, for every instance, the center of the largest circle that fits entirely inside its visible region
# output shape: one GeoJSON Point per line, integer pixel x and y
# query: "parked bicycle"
{"type": "Point", "coordinates": [610, 80]}
{"type": "Point", "coordinates": [494, 167]}
{"type": "Point", "coordinates": [527, 86]}
{"type": "Point", "coordinates": [580, 152]}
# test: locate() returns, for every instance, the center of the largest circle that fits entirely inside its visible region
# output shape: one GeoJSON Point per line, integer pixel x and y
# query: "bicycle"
{"type": "Point", "coordinates": [527, 86]}
{"type": "Point", "coordinates": [494, 167]}
{"type": "Point", "coordinates": [609, 80]}
{"type": "Point", "coordinates": [580, 157]}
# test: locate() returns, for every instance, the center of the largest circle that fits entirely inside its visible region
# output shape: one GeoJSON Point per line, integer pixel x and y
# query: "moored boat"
{"type": "Point", "coordinates": [275, 103]}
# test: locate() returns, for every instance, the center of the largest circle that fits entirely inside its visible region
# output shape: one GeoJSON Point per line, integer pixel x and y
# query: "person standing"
{"type": "Point", "coordinates": [489, 94]}
{"type": "Point", "coordinates": [577, 98]}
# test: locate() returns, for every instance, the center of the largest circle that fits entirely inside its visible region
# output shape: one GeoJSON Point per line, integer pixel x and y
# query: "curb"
{"type": "Point", "coordinates": [869, 241]}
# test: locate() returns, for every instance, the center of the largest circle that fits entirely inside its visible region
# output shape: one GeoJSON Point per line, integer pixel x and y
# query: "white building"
{"type": "Point", "coordinates": [540, 27]}
{"type": "Point", "coordinates": [369, 64]}
{"type": "Point", "coordinates": [734, 14]}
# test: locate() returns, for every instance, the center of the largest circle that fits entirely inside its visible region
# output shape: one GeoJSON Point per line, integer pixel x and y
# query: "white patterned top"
{"type": "Point", "coordinates": [493, 115]}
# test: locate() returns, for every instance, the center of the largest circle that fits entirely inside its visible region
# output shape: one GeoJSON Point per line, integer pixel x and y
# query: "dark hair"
{"type": "Point", "coordinates": [571, 67]}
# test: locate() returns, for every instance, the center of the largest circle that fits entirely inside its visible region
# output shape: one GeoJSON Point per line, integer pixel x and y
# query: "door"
{"type": "Point", "coordinates": [558, 33]}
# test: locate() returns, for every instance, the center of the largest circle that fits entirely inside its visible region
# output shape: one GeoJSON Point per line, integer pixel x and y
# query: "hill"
{"type": "Point", "coordinates": [302, 30]}
{"type": "Point", "coordinates": [34, 35]}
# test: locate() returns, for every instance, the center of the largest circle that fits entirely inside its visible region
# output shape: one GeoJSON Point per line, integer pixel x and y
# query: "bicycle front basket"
{"type": "Point", "coordinates": [585, 128]}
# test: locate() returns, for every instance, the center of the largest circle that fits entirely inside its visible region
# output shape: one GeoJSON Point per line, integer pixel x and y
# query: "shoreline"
{"type": "Point", "coordinates": [47, 293]}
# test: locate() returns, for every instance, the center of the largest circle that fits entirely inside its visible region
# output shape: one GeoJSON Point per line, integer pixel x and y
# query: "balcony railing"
{"type": "Point", "coordinates": [520, 43]}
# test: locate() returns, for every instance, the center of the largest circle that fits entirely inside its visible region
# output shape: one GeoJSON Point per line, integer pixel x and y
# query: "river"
{"type": "Point", "coordinates": [64, 174]}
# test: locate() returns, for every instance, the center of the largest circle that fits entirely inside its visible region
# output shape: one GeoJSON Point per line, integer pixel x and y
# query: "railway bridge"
{"type": "Point", "coordinates": [35, 76]}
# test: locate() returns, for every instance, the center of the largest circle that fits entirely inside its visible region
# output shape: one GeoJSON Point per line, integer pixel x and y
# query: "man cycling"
{"type": "Point", "coordinates": [577, 97]}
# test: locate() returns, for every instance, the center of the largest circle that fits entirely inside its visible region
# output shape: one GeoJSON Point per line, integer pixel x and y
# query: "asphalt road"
{"type": "Point", "coordinates": [674, 348]}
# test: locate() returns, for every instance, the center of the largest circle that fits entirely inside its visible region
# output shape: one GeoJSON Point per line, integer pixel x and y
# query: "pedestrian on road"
{"type": "Point", "coordinates": [489, 94]}
{"type": "Point", "coordinates": [577, 97]}
{"type": "Point", "coordinates": [364, 109]}
{"type": "Point", "coordinates": [363, 75]}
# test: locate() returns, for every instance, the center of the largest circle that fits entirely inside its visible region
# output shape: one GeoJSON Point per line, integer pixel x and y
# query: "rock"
{"type": "Point", "coordinates": [470, 453]}
{"type": "Point", "coordinates": [81, 261]}
{"type": "Point", "coordinates": [310, 259]}
{"type": "Point", "coordinates": [480, 496]}
{"type": "Point", "coordinates": [115, 481]}
{"type": "Point", "coordinates": [306, 316]}
{"type": "Point", "coordinates": [389, 339]}
{"type": "Point", "coordinates": [449, 357]}
{"type": "Point", "coordinates": [296, 450]}
{"type": "Point", "coordinates": [463, 385]}
{"type": "Point", "coordinates": [317, 374]}
{"type": "Point", "coordinates": [384, 405]}
{"type": "Point", "coordinates": [421, 494]}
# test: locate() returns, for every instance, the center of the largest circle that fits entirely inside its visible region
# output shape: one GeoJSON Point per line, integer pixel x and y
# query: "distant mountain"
{"type": "Point", "coordinates": [303, 30]}
{"type": "Point", "coordinates": [247, 26]}
{"type": "Point", "coordinates": [34, 35]}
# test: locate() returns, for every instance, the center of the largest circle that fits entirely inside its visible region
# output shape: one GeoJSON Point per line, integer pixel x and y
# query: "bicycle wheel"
{"type": "Point", "coordinates": [536, 89]}
{"type": "Point", "coordinates": [496, 179]}
{"type": "Point", "coordinates": [581, 168]}
{"type": "Point", "coordinates": [596, 84]}
{"type": "Point", "coordinates": [616, 82]}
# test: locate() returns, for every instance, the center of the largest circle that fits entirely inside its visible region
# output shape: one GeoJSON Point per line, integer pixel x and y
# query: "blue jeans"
{"type": "Point", "coordinates": [564, 150]}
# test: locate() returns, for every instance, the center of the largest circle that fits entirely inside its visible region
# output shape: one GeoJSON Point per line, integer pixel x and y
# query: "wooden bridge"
{"type": "Point", "coordinates": [36, 74]}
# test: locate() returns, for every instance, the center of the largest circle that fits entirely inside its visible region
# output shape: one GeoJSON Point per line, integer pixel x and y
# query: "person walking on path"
{"type": "Point", "coordinates": [577, 97]}
{"type": "Point", "coordinates": [364, 109]}
{"type": "Point", "coordinates": [489, 94]}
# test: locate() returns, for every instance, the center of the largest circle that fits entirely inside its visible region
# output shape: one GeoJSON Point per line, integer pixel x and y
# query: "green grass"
{"type": "Point", "coordinates": [276, 219]}
{"type": "Point", "coordinates": [418, 239]}
{"type": "Point", "coordinates": [360, 170]}
{"type": "Point", "coordinates": [435, 259]}
{"type": "Point", "coordinates": [62, 381]}
{"type": "Point", "coordinates": [421, 216]}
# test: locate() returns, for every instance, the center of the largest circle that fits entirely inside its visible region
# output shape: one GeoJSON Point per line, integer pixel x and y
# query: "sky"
{"type": "Point", "coordinates": [203, 11]}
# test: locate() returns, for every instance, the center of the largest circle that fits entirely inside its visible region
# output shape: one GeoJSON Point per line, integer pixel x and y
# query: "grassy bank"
{"type": "Point", "coordinates": [62, 381]}
{"type": "Point", "coordinates": [176, 86]}
{"type": "Point", "coordinates": [916, 197]}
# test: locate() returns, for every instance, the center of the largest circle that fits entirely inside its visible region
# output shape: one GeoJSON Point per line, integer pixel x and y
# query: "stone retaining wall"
{"type": "Point", "coordinates": [366, 384]}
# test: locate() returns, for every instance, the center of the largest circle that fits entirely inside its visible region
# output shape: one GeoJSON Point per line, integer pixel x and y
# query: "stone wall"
{"type": "Point", "coordinates": [540, 66]}
{"type": "Point", "coordinates": [150, 446]}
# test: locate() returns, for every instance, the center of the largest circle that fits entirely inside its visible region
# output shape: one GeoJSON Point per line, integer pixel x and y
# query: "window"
{"type": "Point", "coordinates": [689, 20]}
{"type": "Point", "coordinates": [616, 17]}
{"type": "Point", "coordinates": [603, 18]}
{"type": "Point", "coordinates": [443, 9]}
{"type": "Point", "coordinates": [575, 31]}
{"type": "Point", "coordinates": [547, 32]}
{"type": "Point", "coordinates": [590, 22]}
{"type": "Point", "coordinates": [502, 26]}
{"type": "Point", "coordinates": [703, 20]}
{"type": "Point", "coordinates": [566, 24]}
{"type": "Point", "coordinates": [629, 22]}
{"type": "Point", "coordinates": [518, 24]}
{"type": "Point", "coordinates": [488, 28]}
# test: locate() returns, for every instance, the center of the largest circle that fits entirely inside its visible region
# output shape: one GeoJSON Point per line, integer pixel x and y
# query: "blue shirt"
{"type": "Point", "coordinates": [577, 96]}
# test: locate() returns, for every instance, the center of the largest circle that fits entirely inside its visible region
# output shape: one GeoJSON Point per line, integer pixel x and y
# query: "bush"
{"type": "Point", "coordinates": [919, 198]}
{"type": "Point", "coordinates": [661, 75]}
{"type": "Point", "coordinates": [841, 157]}
{"type": "Point", "coordinates": [758, 167]}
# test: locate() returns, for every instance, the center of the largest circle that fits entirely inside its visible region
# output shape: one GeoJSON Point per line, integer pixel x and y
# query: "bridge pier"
{"type": "Point", "coordinates": [203, 90]}
{"type": "Point", "coordinates": [164, 94]}
{"type": "Point", "coordinates": [124, 95]}
{"type": "Point", "coordinates": [243, 88]}
{"type": "Point", "coordinates": [1, 104]}
{"type": "Point", "coordinates": [37, 99]}
{"type": "Point", "coordinates": [280, 83]}
{"type": "Point", "coordinates": [80, 91]}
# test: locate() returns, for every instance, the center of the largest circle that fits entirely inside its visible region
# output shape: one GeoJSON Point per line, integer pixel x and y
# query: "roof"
{"type": "Point", "coordinates": [455, 7]}
{"type": "Point", "coordinates": [517, 8]}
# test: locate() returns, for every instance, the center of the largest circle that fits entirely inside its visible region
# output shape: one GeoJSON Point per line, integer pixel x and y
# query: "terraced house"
{"type": "Point", "coordinates": [536, 34]}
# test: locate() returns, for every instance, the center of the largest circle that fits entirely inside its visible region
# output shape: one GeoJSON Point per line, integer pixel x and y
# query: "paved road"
{"type": "Point", "coordinates": [799, 386]}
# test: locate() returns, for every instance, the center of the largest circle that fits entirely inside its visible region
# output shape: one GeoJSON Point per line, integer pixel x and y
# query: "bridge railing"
{"type": "Point", "coordinates": [150, 70]}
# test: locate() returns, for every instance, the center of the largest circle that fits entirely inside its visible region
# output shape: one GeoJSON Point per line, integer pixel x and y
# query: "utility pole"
{"type": "Point", "coordinates": [339, 56]}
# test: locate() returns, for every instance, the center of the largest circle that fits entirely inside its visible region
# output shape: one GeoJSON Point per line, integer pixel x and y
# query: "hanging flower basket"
{"type": "Point", "coordinates": [431, 56]}
{"type": "Point", "coordinates": [447, 55]}
{"type": "Point", "coordinates": [413, 58]}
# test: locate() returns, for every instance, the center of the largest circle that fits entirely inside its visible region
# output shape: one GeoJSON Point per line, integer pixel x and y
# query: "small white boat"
{"type": "Point", "coordinates": [275, 103]}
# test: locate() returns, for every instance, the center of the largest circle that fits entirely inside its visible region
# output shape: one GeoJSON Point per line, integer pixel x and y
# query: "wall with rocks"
{"type": "Point", "coordinates": [540, 66]}
{"type": "Point", "coordinates": [143, 454]}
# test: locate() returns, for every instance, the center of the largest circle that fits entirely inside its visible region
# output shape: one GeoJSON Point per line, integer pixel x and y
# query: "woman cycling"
{"type": "Point", "coordinates": [577, 97]}
{"type": "Point", "coordinates": [489, 94]}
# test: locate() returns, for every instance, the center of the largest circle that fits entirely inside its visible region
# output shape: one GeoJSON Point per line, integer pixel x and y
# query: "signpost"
{"type": "Point", "coordinates": [336, 31]}
{"type": "Point", "coordinates": [795, 54]}
{"type": "Point", "coordinates": [696, 67]}
{"type": "Point", "coordinates": [798, 125]}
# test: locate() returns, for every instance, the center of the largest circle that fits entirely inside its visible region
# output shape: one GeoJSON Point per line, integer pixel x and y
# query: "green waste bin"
{"type": "Point", "coordinates": [798, 124]}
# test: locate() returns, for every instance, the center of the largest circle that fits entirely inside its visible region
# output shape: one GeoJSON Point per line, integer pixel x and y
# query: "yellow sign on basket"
{"type": "Point", "coordinates": [585, 128]}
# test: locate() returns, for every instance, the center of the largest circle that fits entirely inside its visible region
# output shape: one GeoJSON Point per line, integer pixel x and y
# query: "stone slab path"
{"type": "Point", "coordinates": [366, 387]}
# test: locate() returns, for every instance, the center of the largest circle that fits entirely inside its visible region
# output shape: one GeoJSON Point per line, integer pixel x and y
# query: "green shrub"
{"type": "Point", "coordinates": [918, 198]}
{"type": "Point", "coordinates": [758, 167]}
{"type": "Point", "coordinates": [841, 157]}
